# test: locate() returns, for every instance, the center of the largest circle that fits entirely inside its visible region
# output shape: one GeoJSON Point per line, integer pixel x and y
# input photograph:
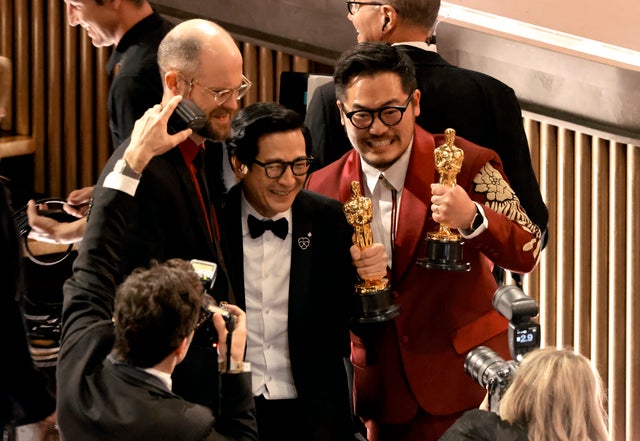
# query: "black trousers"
{"type": "Point", "coordinates": [280, 420]}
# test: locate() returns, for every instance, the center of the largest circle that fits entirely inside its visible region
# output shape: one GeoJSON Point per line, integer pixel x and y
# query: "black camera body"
{"type": "Point", "coordinates": [206, 272]}
{"type": "Point", "coordinates": [484, 365]}
{"type": "Point", "coordinates": [187, 115]}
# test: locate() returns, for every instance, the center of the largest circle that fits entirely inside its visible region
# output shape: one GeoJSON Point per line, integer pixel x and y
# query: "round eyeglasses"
{"type": "Point", "coordinates": [221, 96]}
{"type": "Point", "coordinates": [389, 115]}
{"type": "Point", "coordinates": [275, 169]}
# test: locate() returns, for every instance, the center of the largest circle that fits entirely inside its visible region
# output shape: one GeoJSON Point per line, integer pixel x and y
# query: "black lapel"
{"type": "Point", "coordinates": [232, 227]}
{"type": "Point", "coordinates": [301, 253]}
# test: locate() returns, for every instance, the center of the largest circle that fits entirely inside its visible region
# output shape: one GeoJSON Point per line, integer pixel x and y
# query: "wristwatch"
{"type": "Point", "coordinates": [125, 169]}
{"type": "Point", "coordinates": [477, 221]}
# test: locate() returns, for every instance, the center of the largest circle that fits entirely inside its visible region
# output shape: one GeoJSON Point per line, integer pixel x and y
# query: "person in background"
{"type": "Point", "coordinates": [478, 107]}
{"type": "Point", "coordinates": [295, 280]}
{"type": "Point", "coordinates": [120, 345]}
{"type": "Point", "coordinates": [409, 384]}
{"type": "Point", "coordinates": [556, 394]}
{"type": "Point", "coordinates": [135, 30]}
{"type": "Point", "coordinates": [172, 216]}
{"type": "Point", "coordinates": [24, 393]}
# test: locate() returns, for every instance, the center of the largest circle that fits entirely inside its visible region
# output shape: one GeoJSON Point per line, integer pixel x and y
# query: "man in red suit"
{"type": "Point", "coordinates": [409, 381]}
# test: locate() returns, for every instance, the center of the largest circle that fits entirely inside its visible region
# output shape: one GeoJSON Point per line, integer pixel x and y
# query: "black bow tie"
{"type": "Point", "coordinates": [256, 227]}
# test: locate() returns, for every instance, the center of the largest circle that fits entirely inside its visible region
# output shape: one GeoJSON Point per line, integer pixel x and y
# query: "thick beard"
{"type": "Point", "coordinates": [213, 134]}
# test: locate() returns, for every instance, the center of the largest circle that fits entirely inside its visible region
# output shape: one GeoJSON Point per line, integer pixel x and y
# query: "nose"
{"type": "Point", "coordinates": [287, 178]}
{"type": "Point", "coordinates": [232, 104]}
{"type": "Point", "coordinates": [378, 127]}
{"type": "Point", "coordinates": [71, 16]}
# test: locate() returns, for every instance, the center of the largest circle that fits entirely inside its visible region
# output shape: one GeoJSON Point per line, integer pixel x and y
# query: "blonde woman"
{"type": "Point", "coordinates": [556, 395]}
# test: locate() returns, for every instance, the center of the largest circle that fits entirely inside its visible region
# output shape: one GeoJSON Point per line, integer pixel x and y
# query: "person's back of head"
{"type": "Point", "coordinates": [556, 395]}
{"type": "Point", "coordinates": [370, 59]}
{"type": "Point", "coordinates": [420, 13]}
{"type": "Point", "coordinates": [155, 310]}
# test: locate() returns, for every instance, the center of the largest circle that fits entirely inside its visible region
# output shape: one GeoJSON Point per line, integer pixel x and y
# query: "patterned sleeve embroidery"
{"type": "Point", "coordinates": [501, 198]}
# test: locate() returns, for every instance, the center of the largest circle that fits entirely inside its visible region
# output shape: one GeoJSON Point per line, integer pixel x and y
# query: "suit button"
{"type": "Point", "coordinates": [405, 339]}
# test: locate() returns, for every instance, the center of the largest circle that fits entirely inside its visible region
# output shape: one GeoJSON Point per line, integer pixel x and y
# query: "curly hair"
{"type": "Point", "coordinates": [155, 309]}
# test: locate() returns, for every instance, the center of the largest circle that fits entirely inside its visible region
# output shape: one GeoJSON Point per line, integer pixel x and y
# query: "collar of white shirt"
{"type": "Point", "coordinates": [246, 209]}
{"type": "Point", "coordinates": [395, 174]}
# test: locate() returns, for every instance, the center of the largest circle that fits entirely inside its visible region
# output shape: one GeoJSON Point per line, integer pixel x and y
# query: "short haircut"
{"type": "Point", "coordinates": [556, 394]}
{"type": "Point", "coordinates": [137, 3]}
{"type": "Point", "coordinates": [369, 59]}
{"type": "Point", "coordinates": [179, 52]}
{"type": "Point", "coordinates": [422, 13]}
{"type": "Point", "coordinates": [260, 119]}
{"type": "Point", "coordinates": [155, 309]}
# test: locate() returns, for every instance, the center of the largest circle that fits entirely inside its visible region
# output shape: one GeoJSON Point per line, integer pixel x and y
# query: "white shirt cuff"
{"type": "Point", "coordinates": [482, 228]}
{"type": "Point", "coordinates": [117, 181]}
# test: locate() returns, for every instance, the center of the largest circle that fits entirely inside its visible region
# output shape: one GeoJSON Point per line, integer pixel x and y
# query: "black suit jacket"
{"type": "Point", "coordinates": [167, 222]}
{"type": "Point", "coordinates": [320, 296]}
{"type": "Point", "coordinates": [480, 108]}
{"type": "Point", "coordinates": [100, 398]}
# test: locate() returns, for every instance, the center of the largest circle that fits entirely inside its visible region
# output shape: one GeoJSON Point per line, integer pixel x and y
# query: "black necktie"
{"type": "Point", "coordinates": [256, 227]}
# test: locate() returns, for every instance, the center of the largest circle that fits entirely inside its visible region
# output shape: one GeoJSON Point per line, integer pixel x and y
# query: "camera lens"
{"type": "Point", "coordinates": [485, 366]}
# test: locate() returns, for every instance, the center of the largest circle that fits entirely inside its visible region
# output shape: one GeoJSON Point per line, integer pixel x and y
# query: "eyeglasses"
{"type": "Point", "coordinates": [275, 169]}
{"type": "Point", "coordinates": [354, 7]}
{"type": "Point", "coordinates": [389, 115]}
{"type": "Point", "coordinates": [221, 96]}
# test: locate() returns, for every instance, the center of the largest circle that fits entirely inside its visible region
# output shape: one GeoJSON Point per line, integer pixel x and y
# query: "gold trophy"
{"type": "Point", "coordinates": [374, 303]}
{"type": "Point", "coordinates": [444, 247]}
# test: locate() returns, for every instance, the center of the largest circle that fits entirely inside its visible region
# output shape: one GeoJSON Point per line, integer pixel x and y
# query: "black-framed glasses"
{"type": "Point", "coordinates": [389, 115]}
{"type": "Point", "coordinates": [221, 96]}
{"type": "Point", "coordinates": [275, 169]}
{"type": "Point", "coordinates": [354, 7]}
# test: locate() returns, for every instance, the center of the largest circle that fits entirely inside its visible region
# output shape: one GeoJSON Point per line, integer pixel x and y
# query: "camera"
{"type": "Point", "coordinates": [206, 272]}
{"type": "Point", "coordinates": [187, 115]}
{"type": "Point", "coordinates": [485, 366]}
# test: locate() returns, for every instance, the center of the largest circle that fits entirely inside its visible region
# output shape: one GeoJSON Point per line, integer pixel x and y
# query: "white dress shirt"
{"type": "Point", "coordinates": [381, 197]}
{"type": "Point", "coordinates": [267, 267]}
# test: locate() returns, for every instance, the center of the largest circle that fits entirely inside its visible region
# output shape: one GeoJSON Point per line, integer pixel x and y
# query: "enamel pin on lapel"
{"type": "Point", "coordinates": [304, 242]}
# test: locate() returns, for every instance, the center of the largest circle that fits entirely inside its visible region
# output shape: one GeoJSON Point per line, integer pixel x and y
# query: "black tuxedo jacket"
{"type": "Point", "coordinates": [320, 296]}
{"type": "Point", "coordinates": [166, 222]}
{"type": "Point", "coordinates": [100, 398]}
{"type": "Point", "coordinates": [480, 108]}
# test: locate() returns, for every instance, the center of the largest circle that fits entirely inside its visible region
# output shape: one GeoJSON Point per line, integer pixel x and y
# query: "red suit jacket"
{"type": "Point", "coordinates": [418, 360]}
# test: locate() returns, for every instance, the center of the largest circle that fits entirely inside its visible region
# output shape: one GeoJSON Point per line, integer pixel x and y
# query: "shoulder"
{"type": "Point", "coordinates": [473, 425]}
{"type": "Point", "coordinates": [317, 203]}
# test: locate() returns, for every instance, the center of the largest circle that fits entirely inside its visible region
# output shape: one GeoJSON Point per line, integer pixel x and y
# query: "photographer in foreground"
{"type": "Point", "coordinates": [556, 395]}
{"type": "Point", "coordinates": [118, 350]}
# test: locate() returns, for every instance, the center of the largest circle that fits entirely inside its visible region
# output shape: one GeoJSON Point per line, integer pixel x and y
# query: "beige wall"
{"type": "Point", "coordinates": [614, 22]}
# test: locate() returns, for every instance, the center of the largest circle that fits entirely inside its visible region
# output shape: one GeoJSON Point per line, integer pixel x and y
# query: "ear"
{"type": "Point", "coordinates": [389, 18]}
{"type": "Point", "coordinates": [172, 81]}
{"type": "Point", "coordinates": [342, 118]}
{"type": "Point", "coordinates": [183, 347]}
{"type": "Point", "coordinates": [416, 102]}
{"type": "Point", "coordinates": [239, 169]}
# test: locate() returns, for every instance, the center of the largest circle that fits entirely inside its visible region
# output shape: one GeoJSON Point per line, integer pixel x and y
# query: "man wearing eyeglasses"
{"type": "Point", "coordinates": [480, 108]}
{"type": "Point", "coordinates": [409, 383]}
{"type": "Point", "coordinates": [293, 274]}
{"type": "Point", "coordinates": [174, 217]}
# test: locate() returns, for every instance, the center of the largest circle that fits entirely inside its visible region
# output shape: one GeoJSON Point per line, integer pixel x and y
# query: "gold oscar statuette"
{"type": "Point", "coordinates": [444, 247]}
{"type": "Point", "coordinates": [374, 302]}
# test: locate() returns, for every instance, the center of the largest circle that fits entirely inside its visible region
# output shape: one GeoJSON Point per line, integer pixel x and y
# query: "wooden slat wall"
{"type": "Point", "coordinates": [588, 274]}
{"type": "Point", "coordinates": [588, 279]}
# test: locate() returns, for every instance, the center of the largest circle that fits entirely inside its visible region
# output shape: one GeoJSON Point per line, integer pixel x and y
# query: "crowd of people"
{"type": "Point", "coordinates": [283, 357]}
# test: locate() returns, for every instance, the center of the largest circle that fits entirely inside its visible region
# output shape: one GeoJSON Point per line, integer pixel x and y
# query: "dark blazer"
{"type": "Point", "coordinates": [480, 108]}
{"type": "Point", "coordinates": [167, 222]}
{"type": "Point", "coordinates": [480, 425]}
{"type": "Point", "coordinates": [100, 398]}
{"type": "Point", "coordinates": [419, 360]}
{"type": "Point", "coordinates": [320, 296]}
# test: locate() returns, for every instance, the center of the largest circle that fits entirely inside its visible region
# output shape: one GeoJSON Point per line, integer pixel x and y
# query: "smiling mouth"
{"type": "Point", "coordinates": [380, 143]}
{"type": "Point", "coordinates": [281, 192]}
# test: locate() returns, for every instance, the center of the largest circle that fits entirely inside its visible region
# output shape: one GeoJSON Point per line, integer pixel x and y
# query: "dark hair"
{"type": "Point", "coordinates": [372, 58]}
{"type": "Point", "coordinates": [260, 119]}
{"type": "Point", "coordinates": [417, 12]}
{"type": "Point", "coordinates": [155, 309]}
